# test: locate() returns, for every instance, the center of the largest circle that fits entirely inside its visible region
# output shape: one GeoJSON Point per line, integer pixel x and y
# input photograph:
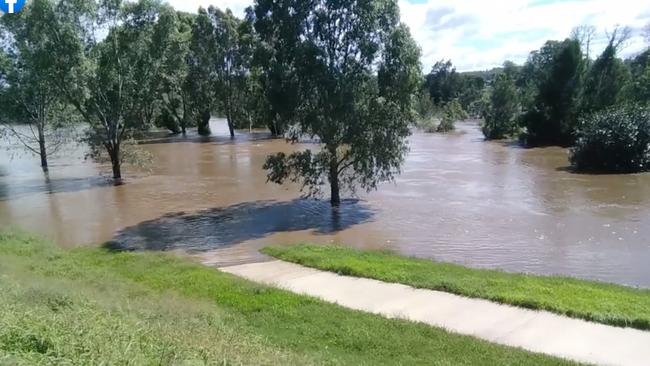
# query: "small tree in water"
{"type": "Point", "coordinates": [29, 96]}
{"type": "Point", "coordinates": [358, 70]}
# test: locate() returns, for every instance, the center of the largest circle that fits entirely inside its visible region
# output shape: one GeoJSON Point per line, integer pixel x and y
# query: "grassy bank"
{"type": "Point", "coordinates": [92, 306]}
{"type": "Point", "coordinates": [599, 302]}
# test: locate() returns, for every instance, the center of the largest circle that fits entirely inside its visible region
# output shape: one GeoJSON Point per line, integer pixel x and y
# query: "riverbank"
{"type": "Point", "coordinates": [593, 301]}
{"type": "Point", "coordinates": [92, 306]}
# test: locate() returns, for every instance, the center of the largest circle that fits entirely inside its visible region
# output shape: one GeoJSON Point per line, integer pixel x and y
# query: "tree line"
{"type": "Point", "coordinates": [340, 72]}
{"type": "Point", "coordinates": [562, 96]}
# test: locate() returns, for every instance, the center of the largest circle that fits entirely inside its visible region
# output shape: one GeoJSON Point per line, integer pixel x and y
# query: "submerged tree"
{"type": "Point", "coordinates": [28, 92]}
{"type": "Point", "coordinates": [607, 77]}
{"type": "Point", "coordinates": [103, 78]}
{"type": "Point", "coordinates": [357, 72]}
{"type": "Point", "coordinates": [173, 34]}
{"type": "Point", "coordinates": [278, 24]}
{"type": "Point", "coordinates": [501, 112]}
{"type": "Point", "coordinates": [444, 83]}
{"type": "Point", "coordinates": [556, 73]}
{"type": "Point", "coordinates": [221, 58]}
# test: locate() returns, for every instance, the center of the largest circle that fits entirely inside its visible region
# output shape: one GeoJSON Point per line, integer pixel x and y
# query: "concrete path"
{"type": "Point", "coordinates": [535, 331]}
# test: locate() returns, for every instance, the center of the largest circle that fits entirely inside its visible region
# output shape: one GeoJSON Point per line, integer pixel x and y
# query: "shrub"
{"type": "Point", "coordinates": [614, 141]}
{"type": "Point", "coordinates": [501, 109]}
{"type": "Point", "coordinates": [428, 125]}
{"type": "Point", "coordinates": [451, 112]}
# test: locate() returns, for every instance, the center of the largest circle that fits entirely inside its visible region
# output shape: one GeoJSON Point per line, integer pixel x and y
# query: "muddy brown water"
{"type": "Point", "coordinates": [459, 199]}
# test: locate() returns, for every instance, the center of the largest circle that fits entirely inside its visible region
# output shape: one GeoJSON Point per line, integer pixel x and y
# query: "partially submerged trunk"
{"type": "Point", "coordinates": [41, 146]}
{"type": "Point", "coordinates": [335, 198]}
{"type": "Point", "coordinates": [231, 125]}
{"type": "Point", "coordinates": [204, 123]}
{"type": "Point", "coordinates": [114, 154]}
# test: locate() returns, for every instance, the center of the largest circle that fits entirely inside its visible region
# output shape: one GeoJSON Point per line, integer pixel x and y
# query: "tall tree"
{"type": "Point", "coordinates": [444, 82]}
{"type": "Point", "coordinates": [173, 34]}
{"type": "Point", "coordinates": [556, 71]}
{"type": "Point", "coordinates": [102, 78]}
{"type": "Point", "coordinates": [638, 89]}
{"type": "Point", "coordinates": [279, 25]}
{"type": "Point", "coordinates": [502, 109]}
{"type": "Point", "coordinates": [607, 77]}
{"type": "Point", "coordinates": [29, 94]}
{"type": "Point", "coordinates": [357, 70]}
{"type": "Point", "coordinates": [584, 34]}
{"type": "Point", "coordinates": [216, 42]}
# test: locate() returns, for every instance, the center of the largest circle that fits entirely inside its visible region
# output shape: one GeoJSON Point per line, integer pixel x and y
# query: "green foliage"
{"type": "Point", "coordinates": [355, 86]}
{"type": "Point", "coordinates": [605, 81]}
{"type": "Point", "coordinates": [638, 89]}
{"type": "Point", "coordinates": [451, 113]}
{"type": "Point", "coordinates": [424, 107]}
{"type": "Point", "coordinates": [220, 60]}
{"type": "Point", "coordinates": [614, 141]}
{"type": "Point", "coordinates": [445, 84]}
{"type": "Point", "coordinates": [29, 93]}
{"type": "Point", "coordinates": [91, 306]}
{"type": "Point", "coordinates": [278, 25]}
{"type": "Point", "coordinates": [173, 34]}
{"type": "Point", "coordinates": [555, 73]}
{"type": "Point", "coordinates": [594, 301]}
{"type": "Point", "coordinates": [502, 110]}
{"type": "Point", "coordinates": [110, 82]}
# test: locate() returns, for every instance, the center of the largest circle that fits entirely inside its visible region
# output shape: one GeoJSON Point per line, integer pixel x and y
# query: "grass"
{"type": "Point", "coordinates": [593, 301]}
{"type": "Point", "coordinates": [93, 306]}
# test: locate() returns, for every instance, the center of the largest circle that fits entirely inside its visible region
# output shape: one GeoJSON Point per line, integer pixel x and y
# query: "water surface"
{"type": "Point", "coordinates": [459, 199]}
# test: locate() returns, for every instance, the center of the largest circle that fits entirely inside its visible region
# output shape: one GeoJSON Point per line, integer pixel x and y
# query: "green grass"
{"type": "Point", "coordinates": [92, 306]}
{"type": "Point", "coordinates": [594, 301]}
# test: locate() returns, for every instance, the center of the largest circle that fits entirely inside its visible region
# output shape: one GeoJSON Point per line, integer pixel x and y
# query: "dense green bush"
{"type": "Point", "coordinates": [501, 109]}
{"type": "Point", "coordinates": [451, 112]}
{"type": "Point", "coordinates": [614, 141]}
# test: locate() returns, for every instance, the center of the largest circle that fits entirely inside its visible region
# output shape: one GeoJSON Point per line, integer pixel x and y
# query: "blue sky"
{"type": "Point", "coordinates": [480, 34]}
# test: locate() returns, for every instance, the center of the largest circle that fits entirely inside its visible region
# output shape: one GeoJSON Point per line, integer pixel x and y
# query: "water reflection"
{"type": "Point", "coordinates": [220, 227]}
{"type": "Point", "coordinates": [49, 185]}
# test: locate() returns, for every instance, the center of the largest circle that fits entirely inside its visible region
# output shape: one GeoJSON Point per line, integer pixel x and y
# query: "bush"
{"type": "Point", "coordinates": [501, 109]}
{"type": "Point", "coordinates": [428, 125]}
{"type": "Point", "coordinates": [614, 141]}
{"type": "Point", "coordinates": [447, 124]}
{"type": "Point", "coordinates": [451, 112]}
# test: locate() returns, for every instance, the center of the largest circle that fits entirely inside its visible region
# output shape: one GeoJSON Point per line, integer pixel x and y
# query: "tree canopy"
{"type": "Point", "coordinates": [356, 70]}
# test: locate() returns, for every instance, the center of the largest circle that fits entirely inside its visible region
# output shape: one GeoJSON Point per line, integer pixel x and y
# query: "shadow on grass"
{"type": "Point", "coordinates": [221, 227]}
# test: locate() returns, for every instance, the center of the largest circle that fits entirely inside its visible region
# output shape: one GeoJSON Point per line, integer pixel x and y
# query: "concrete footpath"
{"type": "Point", "coordinates": [536, 331]}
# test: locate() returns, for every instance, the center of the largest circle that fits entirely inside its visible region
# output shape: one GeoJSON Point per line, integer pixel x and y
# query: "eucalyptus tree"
{"type": "Point", "coordinates": [607, 78]}
{"type": "Point", "coordinates": [502, 109]}
{"type": "Point", "coordinates": [29, 94]}
{"type": "Point", "coordinates": [356, 72]}
{"type": "Point", "coordinates": [556, 73]}
{"type": "Point", "coordinates": [444, 83]}
{"type": "Point", "coordinates": [217, 55]}
{"type": "Point", "coordinates": [278, 24]}
{"type": "Point", "coordinates": [104, 78]}
{"type": "Point", "coordinates": [173, 34]}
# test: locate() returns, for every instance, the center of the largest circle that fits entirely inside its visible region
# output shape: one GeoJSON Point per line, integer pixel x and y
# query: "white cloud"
{"type": "Point", "coordinates": [479, 34]}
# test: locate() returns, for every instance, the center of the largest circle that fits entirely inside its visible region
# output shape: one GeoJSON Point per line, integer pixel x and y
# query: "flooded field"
{"type": "Point", "coordinates": [459, 199]}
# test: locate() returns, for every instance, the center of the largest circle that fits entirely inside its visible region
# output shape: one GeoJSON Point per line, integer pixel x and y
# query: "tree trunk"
{"type": "Point", "coordinates": [231, 126]}
{"type": "Point", "coordinates": [114, 154]}
{"type": "Point", "coordinates": [335, 199]}
{"type": "Point", "coordinates": [204, 123]}
{"type": "Point", "coordinates": [42, 148]}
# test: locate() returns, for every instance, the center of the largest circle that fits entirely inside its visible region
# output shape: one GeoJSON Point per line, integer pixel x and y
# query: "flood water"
{"type": "Point", "coordinates": [459, 199]}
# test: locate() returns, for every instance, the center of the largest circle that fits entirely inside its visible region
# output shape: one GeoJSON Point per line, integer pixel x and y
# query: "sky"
{"type": "Point", "coordinates": [481, 34]}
